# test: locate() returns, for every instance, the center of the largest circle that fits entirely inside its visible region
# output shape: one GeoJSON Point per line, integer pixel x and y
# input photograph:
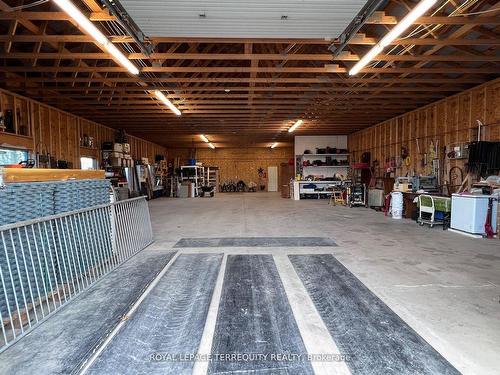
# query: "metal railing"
{"type": "Point", "coordinates": [46, 262]}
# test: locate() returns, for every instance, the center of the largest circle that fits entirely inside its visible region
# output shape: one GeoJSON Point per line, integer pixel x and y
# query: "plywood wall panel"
{"type": "Point", "coordinates": [238, 163]}
{"type": "Point", "coordinates": [448, 121]}
{"type": "Point", "coordinates": [58, 133]}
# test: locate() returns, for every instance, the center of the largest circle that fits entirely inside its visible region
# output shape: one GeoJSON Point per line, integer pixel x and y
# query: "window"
{"type": "Point", "coordinates": [10, 156]}
{"type": "Point", "coordinates": [88, 163]}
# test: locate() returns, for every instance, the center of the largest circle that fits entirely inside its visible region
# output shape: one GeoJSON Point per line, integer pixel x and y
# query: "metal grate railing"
{"type": "Point", "coordinates": [46, 262]}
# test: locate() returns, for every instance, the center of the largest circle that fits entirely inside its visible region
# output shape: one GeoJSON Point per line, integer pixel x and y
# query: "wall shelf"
{"type": "Point", "coordinates": [325, 166]}
{"type": "Point", "coordinates": [315, 155]}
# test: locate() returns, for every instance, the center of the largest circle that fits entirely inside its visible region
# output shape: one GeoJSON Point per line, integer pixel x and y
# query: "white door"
{"type": "Point", "coordinates": [272, 178]}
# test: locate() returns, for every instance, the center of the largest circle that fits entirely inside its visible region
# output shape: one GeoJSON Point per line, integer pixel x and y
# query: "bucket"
{"type": "Point", "coordinates": [397, 205]}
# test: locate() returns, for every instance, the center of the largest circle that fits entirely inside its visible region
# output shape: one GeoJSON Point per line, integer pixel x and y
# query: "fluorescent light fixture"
{"type": "Point", "coordinates": [75, 13]}
{"type": "Point", "coordinates": [211, 146]}
{"type": "Point", "coordinates": [204, 139]}
{"type": "Point", "coordinates": [167, 102]}
{"type": "Point", "coordinates": [295, 126]}
{"type": "Point", "coordinates": [366, 59]}
{"type": "Point", "coordinates": [406, 22]}
{"type": "Point", "coordinates": [120, 57]}
{"type": "Point", "coordinates": [274, 145]}
{"type": "Point", "coordinates": [395, 32]}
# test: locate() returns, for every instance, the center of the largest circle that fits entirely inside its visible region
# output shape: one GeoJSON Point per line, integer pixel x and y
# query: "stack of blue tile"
{"type": "Point", "coordinates": [26, 201]}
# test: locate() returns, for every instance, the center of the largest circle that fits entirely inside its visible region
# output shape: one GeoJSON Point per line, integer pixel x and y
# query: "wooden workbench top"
{"type": "Point", "coordinates": [13, 175]}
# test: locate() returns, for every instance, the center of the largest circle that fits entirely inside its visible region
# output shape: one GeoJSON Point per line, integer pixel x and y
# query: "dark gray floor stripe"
{"type": "Point", "coordinates": [60, 344]}
{"type": "Point", "coordinates": [377, 340]}
{"type": "Point", "coordinates": [255, 317]}
{"type": "Point", "coordinates": [255, 241]}
{"type": "Point", "coordinates": [169, 323]}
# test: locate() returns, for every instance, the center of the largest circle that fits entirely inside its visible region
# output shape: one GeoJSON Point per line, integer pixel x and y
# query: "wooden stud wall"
{"type": "Point", "coordinates": [448, 121]}
{"type": "Point", "coordinates": [58, 133]}
{"type": "Point", "coordinates": [238, 163]}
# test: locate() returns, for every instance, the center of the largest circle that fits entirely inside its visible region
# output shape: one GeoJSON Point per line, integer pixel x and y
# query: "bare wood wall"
{"type": "Point", "coordinates": [448, 121]}
{"type": "Point", "coordinates": [238, 163]}
{"type": "Point", "coordinates": [53, 131]}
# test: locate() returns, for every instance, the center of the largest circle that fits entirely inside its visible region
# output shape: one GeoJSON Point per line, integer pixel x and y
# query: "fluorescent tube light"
{"type": "Point", "coordinates": [75, 13]}
{"type": "Point", "coordinates": [204, 139]}
{"type": "Point", "coordinates": [211, 146]}
{"type": "Point", "coordinates": [120, 57]}
{"type": "Point", "coordinates": [395, 32]}
{"type": "Point", "coordinates": [274, 145]}
{"type": "Point", "coordinates": [406, 22]}
{"type": "Point", "coordinates": [366, 59]}
{"type": "Point", "coordinates": [295, 126]}
{"type": "Point", "coordinates": [167, 102]}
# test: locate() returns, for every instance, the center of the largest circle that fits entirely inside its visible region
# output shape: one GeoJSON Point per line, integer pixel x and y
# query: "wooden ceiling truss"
{"type": "Point", "coordinates": [256, 88]}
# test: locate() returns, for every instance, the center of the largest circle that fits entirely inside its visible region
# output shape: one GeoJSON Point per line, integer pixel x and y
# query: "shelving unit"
{"type": "Point", "coordinates": [298, 188]}
{"type": "Point", "coordinates": [195, 174]}
{"type": "Point", "coordinates": [314, 155]}
{"type": "Point", "coordinates": [323, 176]}
{"type": "Point", "coordinates": [212, 177]}
{"type": "Point", "coordinates": [338, 157]}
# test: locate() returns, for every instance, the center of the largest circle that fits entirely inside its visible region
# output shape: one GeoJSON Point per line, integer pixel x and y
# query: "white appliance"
{"type": "Point", "coordinates": [468, 213]}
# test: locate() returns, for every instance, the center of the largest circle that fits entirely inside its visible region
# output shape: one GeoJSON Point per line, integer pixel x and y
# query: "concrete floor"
{"type": "Point", "coordinates": [444, 285]}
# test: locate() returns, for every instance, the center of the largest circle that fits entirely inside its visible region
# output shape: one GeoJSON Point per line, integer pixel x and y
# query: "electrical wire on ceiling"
{"type": "Point", "coordinates": [475, 13]}
{"type": "Point", "coordinates": [418, 30]}
{"type": "Point", "coordinates": [431, 29]}
{"type": "Point", "coordinates": [26, 6]}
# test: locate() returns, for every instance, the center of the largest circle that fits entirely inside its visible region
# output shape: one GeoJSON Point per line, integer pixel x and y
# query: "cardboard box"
{"type": "Point", "coordinates": [115, 162]}
{"type": "Point", "coordinates": [118, 147]}
{"type": "Point", "coordinates": [116, 155]}
{"type": "Point", "coordinates": [285, 191]}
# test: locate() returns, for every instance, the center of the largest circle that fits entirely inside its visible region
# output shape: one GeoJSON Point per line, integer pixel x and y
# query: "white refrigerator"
{"type": "Point", "coordinates": [468, 213]}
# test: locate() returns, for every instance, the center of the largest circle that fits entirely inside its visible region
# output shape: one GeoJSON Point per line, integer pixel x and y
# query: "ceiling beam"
{"type": "Point", "coordinates": [236, 69]}
{"type": "Point", "coordinates": [445, 88]}
{"type": "Point", "coordinates": [243, 56]}
{"type": "Point", "coordinates": [53, 16]}
{"type": "Point", "coordinates": [319, 80]}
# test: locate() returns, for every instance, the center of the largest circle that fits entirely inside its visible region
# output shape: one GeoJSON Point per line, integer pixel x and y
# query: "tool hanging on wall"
{"type": "Point", "coordinates": [423, 157]}
{"type": "Point", "coordinates": [480, 125]}
{"type": "Point", "coordinates": [429, 158]}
